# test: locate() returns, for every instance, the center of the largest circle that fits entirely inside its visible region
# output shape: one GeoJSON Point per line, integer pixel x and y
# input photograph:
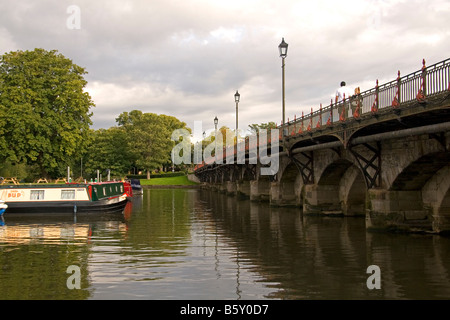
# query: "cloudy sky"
{"type": "Point", "coordinates": [187, 58]}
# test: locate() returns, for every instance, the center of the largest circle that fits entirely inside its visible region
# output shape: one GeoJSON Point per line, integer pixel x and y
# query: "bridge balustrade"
{"type": "Point", "coordinates": [426, 82]}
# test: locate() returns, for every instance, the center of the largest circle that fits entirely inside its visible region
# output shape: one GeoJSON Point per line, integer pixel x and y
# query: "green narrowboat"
{"type": "Point", "coordinates": [66, 198]}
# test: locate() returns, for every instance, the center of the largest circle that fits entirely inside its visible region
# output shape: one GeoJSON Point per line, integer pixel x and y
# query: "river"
{"type": "Point", "coordinates": [192, 244]}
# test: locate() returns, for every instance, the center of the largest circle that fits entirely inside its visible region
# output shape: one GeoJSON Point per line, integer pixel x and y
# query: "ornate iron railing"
{"type": "Point", "coordinates": [417, 86]}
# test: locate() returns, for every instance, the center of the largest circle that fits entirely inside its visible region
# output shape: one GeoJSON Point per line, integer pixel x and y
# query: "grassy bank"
{"type": "Point", "coordinates": [170, 181]}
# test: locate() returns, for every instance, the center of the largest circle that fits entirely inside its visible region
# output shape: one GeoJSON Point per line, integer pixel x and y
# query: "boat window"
{"type": "Point", "coordinates": [67, 194]}
{"type": "Point", "coordinates": [37, 194]}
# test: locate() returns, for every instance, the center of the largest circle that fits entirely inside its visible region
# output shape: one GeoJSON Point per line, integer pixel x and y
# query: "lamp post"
{"type": "Point", "coordinates": [216, 121]}
{"type": "Point", "coordinates": [237, 96]}
{"type": "Point", "coordinates": [283, 47]}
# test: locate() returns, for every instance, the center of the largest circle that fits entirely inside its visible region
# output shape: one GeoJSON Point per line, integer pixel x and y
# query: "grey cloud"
{"type": "Point", "coordinates": [187, 58]}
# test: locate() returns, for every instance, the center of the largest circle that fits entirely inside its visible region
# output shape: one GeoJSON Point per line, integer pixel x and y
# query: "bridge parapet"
{"type": "Point", "coordinates": [418, 86]}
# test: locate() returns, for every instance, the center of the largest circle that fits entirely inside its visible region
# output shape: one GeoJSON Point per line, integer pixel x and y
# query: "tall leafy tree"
{"type": "Point", "coordinates": [172, 123]}
{"type": "Point", "coordinates": [255, 128]}
{"type": "Point", "coordinates": [149, 137]}
{"type": "Point", "coordinates": [108, 151]}
{"type": "Point", "coordinates": [44, 111]}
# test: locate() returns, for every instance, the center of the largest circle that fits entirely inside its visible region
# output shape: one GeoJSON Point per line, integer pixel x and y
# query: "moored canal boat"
{"type": "Point", "coordinates": [136, 186]}
{"type": "Point", "coordinates": [102, 197]}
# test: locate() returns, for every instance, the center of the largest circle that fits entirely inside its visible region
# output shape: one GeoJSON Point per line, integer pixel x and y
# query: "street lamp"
{"type": "Point", "coordinates": [237, 96]}
{"type": "Point", "coordinates": [283, 47]}
{"type": "Point", "coordinates": [216, 121]}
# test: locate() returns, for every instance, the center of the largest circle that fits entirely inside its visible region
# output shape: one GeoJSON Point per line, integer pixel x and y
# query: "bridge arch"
{"type": "Point", "coordinates": [436, 196]}
{"type": "Point", "coordinates": [418, 172]}
{"type": "Point", "coordinates": [340, 189]}
{"type": "Point", "coordinates": [287, 190]}
{"type": "Point", "coordinates": [410, 162]}
{"type": "Point", "coordinates": [420, 193]}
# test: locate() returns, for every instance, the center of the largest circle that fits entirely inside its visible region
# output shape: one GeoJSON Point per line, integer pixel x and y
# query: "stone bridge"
{"type": "Point", "coordinates": [383, 154]}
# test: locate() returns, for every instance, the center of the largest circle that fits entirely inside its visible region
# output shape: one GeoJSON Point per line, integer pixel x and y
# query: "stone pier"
{"type": "Point", "coordinates": [260, 190]}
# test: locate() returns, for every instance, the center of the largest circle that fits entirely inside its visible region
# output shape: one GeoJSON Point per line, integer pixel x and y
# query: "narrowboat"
{"type": "Point", "coordinates": [107, 197]}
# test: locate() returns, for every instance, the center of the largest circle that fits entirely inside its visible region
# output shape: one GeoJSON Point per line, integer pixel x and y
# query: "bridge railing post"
{"type": "Point", "coordinates": [374, 108]}
{"type": "Point", "coordinates": [423, 86]}
{"type": "Point", "coordinates": [330, 119]}
{"type": "Point", "coordinates": [424, 78]}
{"type": "Point", "coordinates": [301, 126]}
{"type": "Point", "coordinates": [342, 109]}
{"type": "Point", "coordinates": [319, 123]}
{"type": "Point", "coordinates": [448, 75]}
{"type": "Point", "coordinates": [356, 104]}
{"type": "Point", "coordinates": [396, 102]}
{"type": "Point", "coordinates": [310, 121]}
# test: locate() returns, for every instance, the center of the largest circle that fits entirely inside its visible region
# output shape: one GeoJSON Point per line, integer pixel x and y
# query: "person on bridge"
{"type": "Point", "coordinates": [343, 91]}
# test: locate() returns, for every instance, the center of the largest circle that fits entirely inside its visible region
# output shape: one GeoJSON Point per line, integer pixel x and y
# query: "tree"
{"type": "Point", "coordinates": [149, 137]}
{"type": "Point", "coordinates": [108, 152]}
{"type": "Point", "coordinates": [172, 124]}
{"type": "Point", "coordinates": [255, 128]}
{"type": "Point", "coordinates": [44, 112]}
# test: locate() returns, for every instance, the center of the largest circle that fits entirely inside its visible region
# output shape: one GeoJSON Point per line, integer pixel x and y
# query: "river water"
{"type": "Point", "coordinates": [190, 244]}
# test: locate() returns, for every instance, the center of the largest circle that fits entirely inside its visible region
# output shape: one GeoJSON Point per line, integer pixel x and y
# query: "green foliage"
{"type": "Point", "coordinates": [255, 128]}
{"type": "Point", "coordinates": [44, 112]}
{"type": "Point", "coordinates": [108, 150]}
{"type": "Point", "coordinates": [19, 171]}
{"type": "Point", "coordinates": [149, 137]}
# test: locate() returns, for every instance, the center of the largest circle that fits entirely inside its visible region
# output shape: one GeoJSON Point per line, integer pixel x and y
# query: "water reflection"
{"type": "Point", "coordinates": [35, 252]}
{"type": "Point", "coordinates": [316, 257]}
{"type": "Point", "coordinates": [198, 244]}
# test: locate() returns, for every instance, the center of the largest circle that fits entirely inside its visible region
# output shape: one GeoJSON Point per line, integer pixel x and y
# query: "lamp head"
{"type": "Point", "coordinates": [283, 47]}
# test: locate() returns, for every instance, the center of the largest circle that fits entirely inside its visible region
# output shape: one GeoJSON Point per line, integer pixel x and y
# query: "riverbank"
{"type": "Point", "coordinates": [171, 187]}
{"type": "Point", "coordinates": [170, 182]}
